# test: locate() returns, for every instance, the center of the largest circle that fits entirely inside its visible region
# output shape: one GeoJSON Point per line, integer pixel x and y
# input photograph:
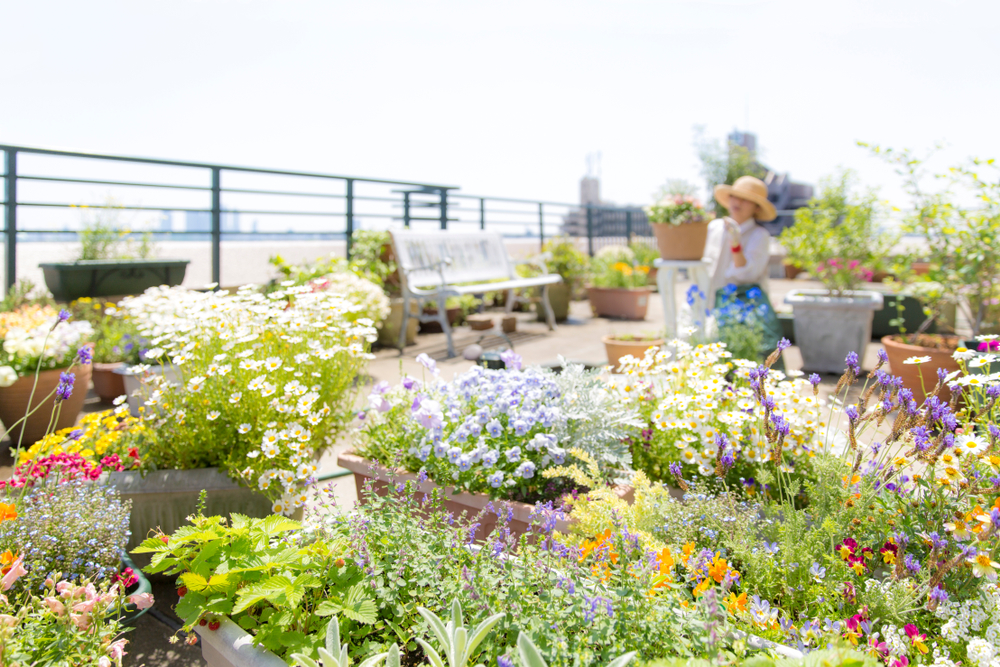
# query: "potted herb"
{"type": "Point", "coordinates": [618, 346]}
{"type": "Point", "coordinates": [680, 225]}
{"type": "Point", "coordinates": [838, 238]}
{"type": "Point", "coordinates": [963, 260]}
{"type": "Point", "coordinates": [618, 286]}
{"type": "Point", "coordinates": [113, 261]}
{"type": "Point", "coordinates": [645, 255]}
{"type": "Point", "coordinates": [564, 258]}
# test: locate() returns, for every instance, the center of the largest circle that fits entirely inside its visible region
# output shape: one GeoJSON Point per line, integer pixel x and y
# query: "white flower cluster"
{"type": "Point", "coordinates": [976, 623]}
{"type": "Point", "coordinates": [53, 345]}
{"type": "Point", "coordinates": [265, 368]}
{"type": "Point", "coordinates": [696, 404]}
{"type": "Point", "coordinates": [373, 302]}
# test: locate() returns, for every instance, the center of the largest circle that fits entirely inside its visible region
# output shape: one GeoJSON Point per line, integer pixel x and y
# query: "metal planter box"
{"type": "Point", "coordinates": [110, 277]}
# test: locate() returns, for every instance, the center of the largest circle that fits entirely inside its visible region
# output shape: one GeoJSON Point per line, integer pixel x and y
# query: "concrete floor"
{"type": "Point", "coordinates": [578, 339]}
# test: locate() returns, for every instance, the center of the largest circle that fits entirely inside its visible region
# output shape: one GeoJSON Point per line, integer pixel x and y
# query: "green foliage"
{"type": "Point", "coordinates": [454, 640]}
{"type": "Point", "coordinates": [838, 237]}
{"type": "Point", "coordinates": [25, 293]}
{"type": "Point", "coordinates": [105, 236]}
{"type": "Point", "coordinates": [615, 266]}
{"type": "Point", "coordinates": [532, 657]}
{"type": "Point", "coordinates": [279, 591]}
{"type": "Point", "coordinates": [841, 655]}
{"type": "Point", "coordinates": [962, 241]}
{"type": "Point", "coordinates": [116, 338]}
{"type": "Point", "coordinates": [566, 260]}
{"type": "Point", "coordinates": [645, 254]}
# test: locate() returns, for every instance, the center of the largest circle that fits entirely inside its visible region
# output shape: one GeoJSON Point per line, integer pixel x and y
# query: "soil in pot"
{"type": "Point", "coordinates": [921, 378]}
{"type": "Point", "coordinates": [620, 346]}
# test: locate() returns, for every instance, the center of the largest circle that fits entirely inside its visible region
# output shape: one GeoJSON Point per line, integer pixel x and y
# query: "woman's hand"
{"type": "Point", "coordinates": [734, 231]}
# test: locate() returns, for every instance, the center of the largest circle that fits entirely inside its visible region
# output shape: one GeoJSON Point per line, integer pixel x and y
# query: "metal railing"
{"type": "Point", "coordinates": [42, 184]}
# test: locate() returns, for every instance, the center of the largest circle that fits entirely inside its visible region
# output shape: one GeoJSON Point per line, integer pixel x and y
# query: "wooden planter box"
{"type": "Point", "coordinates": [97, 278]}
{"type": "Point", "coordinates": [469, 503]}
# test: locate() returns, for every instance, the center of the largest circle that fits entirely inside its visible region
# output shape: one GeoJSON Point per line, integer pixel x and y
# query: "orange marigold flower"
{"type": "Point", "coordinates": [7, 512]}
{"type": "Point", "coordinates": [718, 569]}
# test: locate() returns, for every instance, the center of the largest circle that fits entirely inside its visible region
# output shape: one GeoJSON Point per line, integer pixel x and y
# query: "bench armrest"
{"type": "Point", "coordinates": [436, 266]}
{"type": "Point", "coordinates": [537, 261]}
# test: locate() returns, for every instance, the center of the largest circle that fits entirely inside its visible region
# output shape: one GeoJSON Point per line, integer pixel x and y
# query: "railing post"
{"type": "Point", "coordinates": [444, 208]}
{"type": "Point", "coordinates": [216, 224]}
{"type": "Point", "coordinates": [350, 216]}
{"type": "Point", "coordinates": [628, 226]}
{"type": "Point", "coordinates": [541, 227]}
{"type": "Point", "coordinates": [10, 217]}
{"type": "Point", "coordinates": [482, 213]}
{"type": "Point", "coordinates": [590, 230]}
{"type": "Point", "coordinates": [406, 209]}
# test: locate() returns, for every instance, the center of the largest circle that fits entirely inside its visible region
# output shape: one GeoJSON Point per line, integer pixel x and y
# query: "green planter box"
{"type": "Point", "coordinates": [913, 316]}
{"type": "Point", "coordinates": [110, 277]}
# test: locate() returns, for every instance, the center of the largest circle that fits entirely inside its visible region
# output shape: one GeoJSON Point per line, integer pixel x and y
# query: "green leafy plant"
{"type": "Point", "coordinates": [839, 236]}
{"type": "Point", "coordinates": [615, 266]}
{"type": "Point", "coordinates": [279, 591]}
{"type": "Point", "coordinates": [456, 642]}
{"type": "Point", "coordinates": [962, 241]}
{"type": "Point", "coordinates": [567, 260]}
{"type": "Point", "coordinates": [676, 210]}
{"type": "Point", "coordinates": [332, 654]}
{"type": "Point", "coordinates": [532, 657]}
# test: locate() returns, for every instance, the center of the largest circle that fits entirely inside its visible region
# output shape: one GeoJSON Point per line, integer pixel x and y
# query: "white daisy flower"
{"type": "Point", "coordinates": [244, 428]}
{"type": "Point", "coordinates": [213, 415]}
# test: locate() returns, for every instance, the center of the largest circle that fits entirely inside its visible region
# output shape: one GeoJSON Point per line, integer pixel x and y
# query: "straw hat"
{"type": "Point", "coordinates": [751, 189]}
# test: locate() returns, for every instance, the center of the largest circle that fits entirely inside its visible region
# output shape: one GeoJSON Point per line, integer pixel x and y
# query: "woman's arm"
{"type": "Point", "coordinates": [755, 253]}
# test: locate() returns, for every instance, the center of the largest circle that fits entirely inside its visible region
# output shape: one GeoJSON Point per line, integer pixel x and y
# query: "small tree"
{"type": "Point", "coordinates": [838, 236]}
{"type": "Point", "coordinates": [723, 164]}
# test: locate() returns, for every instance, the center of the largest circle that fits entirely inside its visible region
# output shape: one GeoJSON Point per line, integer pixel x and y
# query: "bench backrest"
{"type": "Point", "coordinates": [476, 257]}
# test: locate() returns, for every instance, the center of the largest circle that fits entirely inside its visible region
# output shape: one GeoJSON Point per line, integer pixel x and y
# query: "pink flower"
{"type": "Point", "coordinates": [55, 606]}
{"type": "Point", "coordinates": [8, 620]}
{"type": "Point", "coordinates": [81, 621]}
{"type": "Point", "coordinates": [117, 649]}
{"type": "Point", "coordinates": [16, 572]}
{"type": "Point", "coordinates": [86, 606]}
{"type": "Point", "coordinates": [105, 661]}
{"type": "Point", "coordinates": [142, 600]}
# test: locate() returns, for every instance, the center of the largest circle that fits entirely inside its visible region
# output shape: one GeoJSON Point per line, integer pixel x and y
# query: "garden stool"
{"type": "Point", "coordinates": [666, 277]}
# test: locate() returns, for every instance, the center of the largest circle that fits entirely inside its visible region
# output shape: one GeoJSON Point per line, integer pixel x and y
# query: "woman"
{"type": "Point", "coordinates": [739, 251]}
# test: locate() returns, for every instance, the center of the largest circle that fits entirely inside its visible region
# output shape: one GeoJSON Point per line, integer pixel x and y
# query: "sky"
{"type": "Point", "coordinates": [503, 98]}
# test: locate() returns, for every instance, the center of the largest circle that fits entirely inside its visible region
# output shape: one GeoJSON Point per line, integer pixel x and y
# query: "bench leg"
{"type": "Point", "coordinates": [509, 305]}
{"type": "Point", "coordinates": [550, 316]}
{"type": "Point", "coordinates": [442, 317]}
{"type": "Point", "coordinates": [406, 322]}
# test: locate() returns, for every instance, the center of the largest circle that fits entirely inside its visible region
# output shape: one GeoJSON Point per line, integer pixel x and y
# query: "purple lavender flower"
{"type": "Point", "coordinates": [65, 388]}
{"type": "Point", "coordinates": [675, 469]}
{"type": "Point", "coordinates": [942, 373]}
{"type": "Point", "coordinates": [852, 412]}
{"type": "Point", "coordinates": [815, 379]}
{"type": "Point", "coordinates": [784, 344]}
{"type": "Point", "coordinates": [505, 661]}
{"type": "Point", "coordinates": [853, 363]}
{"type": "Point", "coordinates": [882, 356]}
{"type": "Point", "coordinates": [939, 594]}
{"type": "Point", "coordinates": [76, 434]}
{"type": "Point", "coordinates": [63, 316]}
{"type": "Point", "coordinates": [84, 355]}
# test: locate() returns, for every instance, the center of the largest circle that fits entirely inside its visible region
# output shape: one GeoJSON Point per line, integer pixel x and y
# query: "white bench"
{"type": "Point", "coordinates": [436, 265]}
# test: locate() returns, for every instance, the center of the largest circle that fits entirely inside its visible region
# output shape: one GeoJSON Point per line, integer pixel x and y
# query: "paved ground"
{"type": "Point", "coordinates": [579, 339]}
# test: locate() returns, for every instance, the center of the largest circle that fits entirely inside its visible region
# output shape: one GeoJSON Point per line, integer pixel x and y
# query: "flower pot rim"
{"type": "Point", "coordinates": [610, 338]}
{"type": "Point", "coordinates": [849, 299]}
{"type": "Point", "coordinates": [236, 646]}
{"type": "Point", "coordinates": [646, 288]}
{"type": "Point", "coordinates": [703, 221]}
{"type": "Point", "coordinates": [367, 468]}
{"type": "Point", "coordinates": [890, 341]}
{"type": "Point", "coordinates": [101, 263]}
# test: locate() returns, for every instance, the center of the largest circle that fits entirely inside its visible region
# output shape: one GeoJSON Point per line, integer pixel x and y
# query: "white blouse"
{"type": "Point", "coordinates": [756, 242]}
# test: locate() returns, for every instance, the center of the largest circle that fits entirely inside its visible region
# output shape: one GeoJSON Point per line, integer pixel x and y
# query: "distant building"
{"type": "Point", "coordinates": [606, 218]}
{"type": "Point", "coordinates": [201, 221]}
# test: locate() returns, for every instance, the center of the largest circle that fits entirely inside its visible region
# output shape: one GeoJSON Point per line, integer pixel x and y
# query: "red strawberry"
{"type": "Point", "coordinates": [203, 622]}
{"type": "Point", "coordinates": [214, 625]}
{"type": "Point", "coordinates": [182, 591]}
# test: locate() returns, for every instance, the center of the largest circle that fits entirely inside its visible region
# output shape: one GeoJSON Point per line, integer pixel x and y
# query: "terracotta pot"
{"type": "Point", "coordinates": [791, 271]}
{"type": "Point", "coordinates": [898, 352]}
{"type": "Point", "coordinates": [685, 241]}
{"type": "Point", "coordinates": [920, 268]}
{"type": "Point", "coordinates": [108, 385]}
{"type": "Point", "coordinates": [620, 302]}
{"type": "Point", "coordinates": [469, 503]}
{"type": "Point", "coordinates": [14, 404]}
{"type": "Point", "coordinates": [616, 349]}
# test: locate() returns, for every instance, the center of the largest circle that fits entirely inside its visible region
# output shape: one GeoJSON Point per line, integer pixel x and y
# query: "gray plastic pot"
{"type": "Point", "coordinates": [828, 328]}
